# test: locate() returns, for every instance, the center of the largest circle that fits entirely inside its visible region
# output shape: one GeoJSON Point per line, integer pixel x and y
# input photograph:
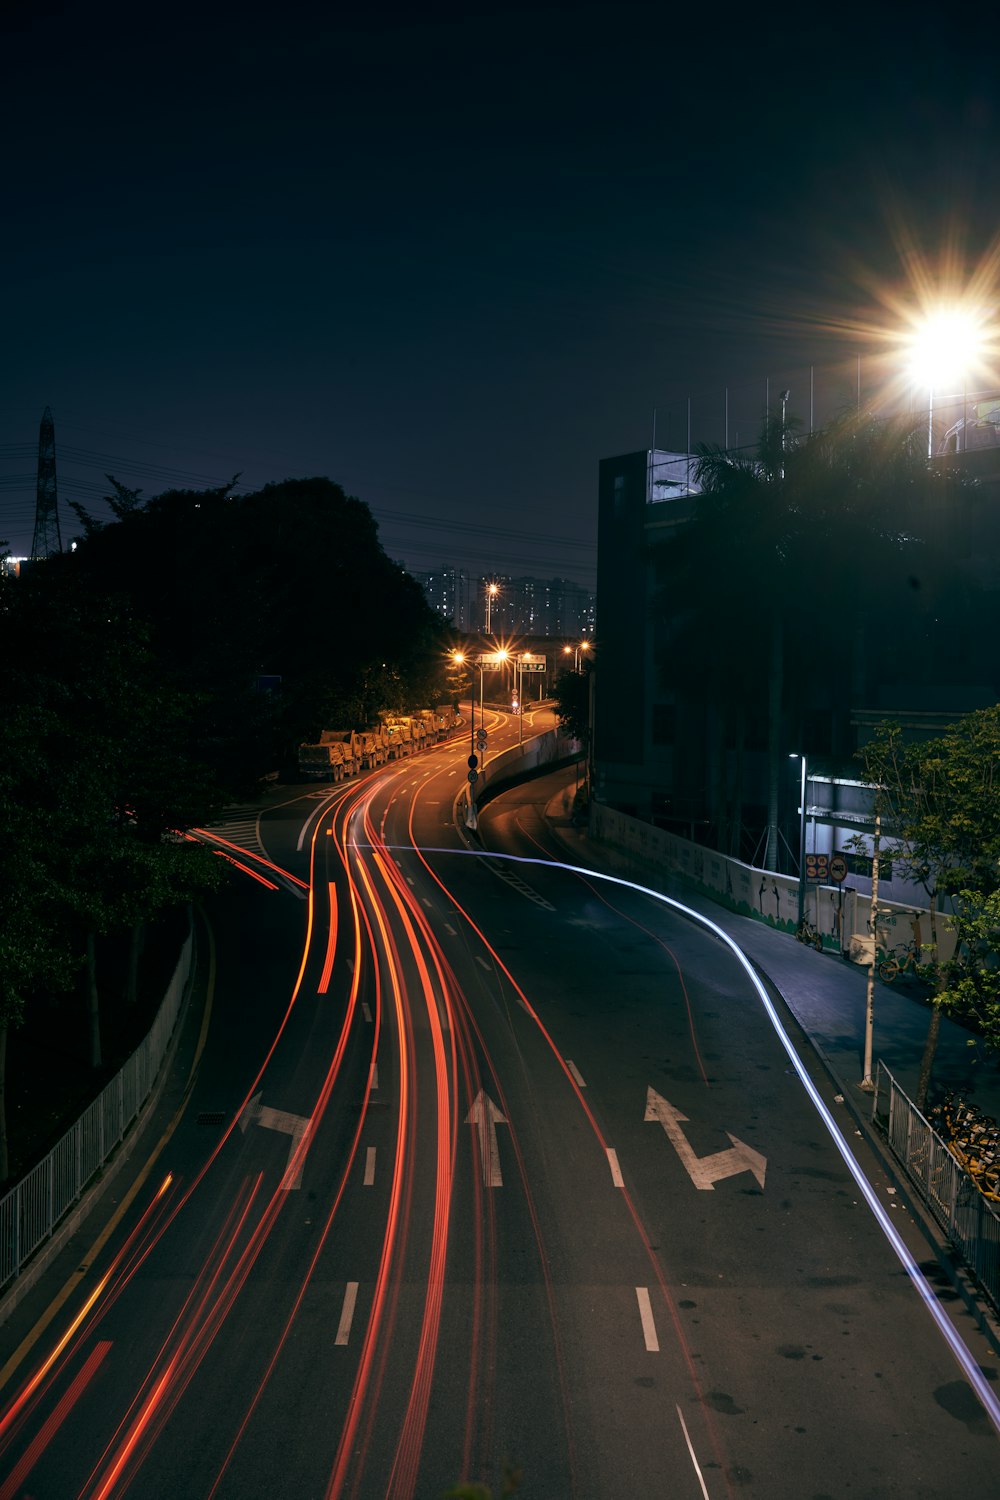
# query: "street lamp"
{"type": "Point", "coordinates": [460, 657]}
{"type": "Point", "coordinates": [492, 590]}
{"type": "Point", "coordinates": [802, 839]}
{"type": "Point", "coordinates": [945, 348]}
{"type": "Point", "coordinates": [574, 651]}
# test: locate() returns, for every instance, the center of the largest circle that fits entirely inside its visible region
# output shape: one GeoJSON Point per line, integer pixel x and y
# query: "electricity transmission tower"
{"type": "Point", "coordinates": [46, 539]}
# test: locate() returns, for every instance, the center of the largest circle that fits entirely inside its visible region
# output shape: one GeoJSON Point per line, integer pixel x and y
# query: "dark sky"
{"type": "Point", "coordinates": [453, 257]}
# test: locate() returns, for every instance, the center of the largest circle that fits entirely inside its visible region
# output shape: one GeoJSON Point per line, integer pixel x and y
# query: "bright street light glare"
{"type": "Point", "coordinates": [946, 347]}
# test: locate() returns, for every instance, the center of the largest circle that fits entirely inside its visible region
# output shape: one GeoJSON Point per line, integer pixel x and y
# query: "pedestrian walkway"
{"type": "Point", "coordinates": [825, 993]}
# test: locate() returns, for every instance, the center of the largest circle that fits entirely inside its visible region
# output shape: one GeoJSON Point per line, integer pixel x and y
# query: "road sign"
{"type": "Point", "coordinates": [817, 867]}
{"type": "Point", "coordinates": [481, 738]}
{"type": "Point", "coordinates": [491, 663]}
{"type": "Point", "coordinates": [838, 868]}
{"type": "Point", "coordinates": [473, 762]}
{"type": "Point", "coordinates": [533, 666]}
{"type": "Point", "coordinates": [473, 775]}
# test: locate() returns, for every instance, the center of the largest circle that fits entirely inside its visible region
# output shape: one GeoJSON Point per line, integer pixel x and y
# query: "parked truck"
{"type": "Point", "coordinates": [399, 738]}
{"type": "Point", "coordinates": [349, 746]}
{"type": "Point", "coordinates": [428, 719]}
{"type": "Point", "coordinates": [321, 762]}
{"type": "Point", "coordinates": [371, 749]}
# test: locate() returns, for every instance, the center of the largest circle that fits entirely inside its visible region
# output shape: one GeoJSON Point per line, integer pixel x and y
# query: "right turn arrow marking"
{"type": "Point", "coordinates": [704, 1171]}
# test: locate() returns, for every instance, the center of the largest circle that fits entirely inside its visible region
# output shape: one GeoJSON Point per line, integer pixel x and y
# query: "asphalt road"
{"type": "Point", "coordinates": [484, 1163]}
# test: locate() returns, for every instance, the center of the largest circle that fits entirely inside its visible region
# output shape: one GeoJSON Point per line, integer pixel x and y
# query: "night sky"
{"type": "Point", "coordinates": [452, 257]}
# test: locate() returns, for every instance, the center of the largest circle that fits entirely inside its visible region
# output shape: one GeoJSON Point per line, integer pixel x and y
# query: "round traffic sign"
{"type": "Point", "coordinates": [473, 775]}
{"type": "Point", "coordinates": [473, 762]}
{"type": "Point", "coordinates": [838, 868]}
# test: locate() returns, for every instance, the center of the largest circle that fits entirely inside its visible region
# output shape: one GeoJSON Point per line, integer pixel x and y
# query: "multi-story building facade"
{"type": "Point", "coordinates": [661, 751]}
{"type": "Point", "coordinates": [448, 592]}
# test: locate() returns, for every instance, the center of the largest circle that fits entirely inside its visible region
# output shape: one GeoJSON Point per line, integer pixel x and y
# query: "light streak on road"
{"type": "Point", "coordinates": [206, 836]}
{"type": "Point", "coordinates": [693, 1456]}
{"type": "Point", "coordinates": [968, 1365]}
{"type": "Point", "coordinates": [331, 942]}
{"type": "Point", "coordinates": [113, 1281]}
{"type": "Point", "coordinates": [12, 1484]}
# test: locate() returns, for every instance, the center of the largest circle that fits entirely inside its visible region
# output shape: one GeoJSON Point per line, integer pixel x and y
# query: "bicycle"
{"type": "Point", "coordinates": [807, 933]}
{"type": "Point", "coordinates": [892, 966]}
{"type": "Point", "coordinates": [973, 1138]}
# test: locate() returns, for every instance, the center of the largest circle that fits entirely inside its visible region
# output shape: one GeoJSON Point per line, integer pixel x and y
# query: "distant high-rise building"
{"type": "Point", "coordinates": [518, 607]}
{"type": "Point", "coordinates": [538, 607]}
{"type": "Point", "coordinates": [447, 591]}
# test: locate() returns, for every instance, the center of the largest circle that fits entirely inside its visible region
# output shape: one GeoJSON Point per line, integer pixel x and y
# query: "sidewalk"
{"type": "Point", "coordinates": [825, 993]}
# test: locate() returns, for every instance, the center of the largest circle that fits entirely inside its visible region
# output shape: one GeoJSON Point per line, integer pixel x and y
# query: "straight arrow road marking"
{"type": "Point", "coordinates": [347, 1313]}
{"type": "Point", "coordinates": [704, 1171]}
{"type": "Point", "coordinates": [646, 1314]}
{"type": "Point", "coordinates": [486, 1117]}
{"type": "Point", "coordinates": [297, 1126]}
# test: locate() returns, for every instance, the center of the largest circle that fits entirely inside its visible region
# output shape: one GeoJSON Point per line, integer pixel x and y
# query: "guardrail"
{"type": "Point", "coordinates": [30, 1211]}
{"type": "Point", "coordinates": [967, 1218]}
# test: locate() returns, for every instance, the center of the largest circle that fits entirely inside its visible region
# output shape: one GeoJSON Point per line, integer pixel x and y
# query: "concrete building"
{"type": "Point", "coordinates": [657, 751]}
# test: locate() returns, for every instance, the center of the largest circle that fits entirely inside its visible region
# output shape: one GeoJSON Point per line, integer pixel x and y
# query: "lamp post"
{"type": "Point", "coordinates": [802, 838]}
{"type": "Point", "coordinates": [575, 651]}
{"type": "Point", "coordinates": [492, 590]}
{"type": "Point", "coordinates": [867, 1081]}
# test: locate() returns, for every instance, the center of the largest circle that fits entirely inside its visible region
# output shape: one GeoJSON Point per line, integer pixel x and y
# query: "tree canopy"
{"type": "Point", "coordinates": [156, 674]}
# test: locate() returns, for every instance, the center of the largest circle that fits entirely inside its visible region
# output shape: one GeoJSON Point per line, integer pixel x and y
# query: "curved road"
{"type": "Point", "coordinates": [486, 1164]}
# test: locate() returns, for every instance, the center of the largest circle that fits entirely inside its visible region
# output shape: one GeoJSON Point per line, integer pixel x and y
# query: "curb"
{"type": "Point", "coordinates": [28, 1277]}
{"type": "Point", "coordinates": [975, 1302]}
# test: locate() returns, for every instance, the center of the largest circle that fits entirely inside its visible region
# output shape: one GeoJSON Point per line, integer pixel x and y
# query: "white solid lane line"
{"type": "Point", "coordinates": [646, 1314]}
{"type": "Point", "coordinates": [347, 1314]}
{"type": "Point", "coordinates": [616, 1171]}
{"type": "Point", "coordinates": [370, 1167]}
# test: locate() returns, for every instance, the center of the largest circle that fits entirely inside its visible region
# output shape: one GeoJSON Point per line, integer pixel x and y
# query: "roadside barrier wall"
{"type": "Point", "coordinates": [545, 749]}
{"type": "Point", "coordinates": [841, 916]}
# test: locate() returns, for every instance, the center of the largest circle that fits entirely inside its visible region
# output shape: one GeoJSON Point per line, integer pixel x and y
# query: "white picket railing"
{"type": "Point", "coordinates": [967, 1218]}
{"type": "Point", "coordinates": [30, 1211]}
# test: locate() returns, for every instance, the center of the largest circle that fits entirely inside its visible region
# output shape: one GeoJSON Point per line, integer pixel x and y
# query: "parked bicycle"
{"type": "Point", "coordinates": [904, 959]}
{"type": "Point", "coordinates": [973, 1138]}
{"type": "Point", "coordinates": [807, 933]}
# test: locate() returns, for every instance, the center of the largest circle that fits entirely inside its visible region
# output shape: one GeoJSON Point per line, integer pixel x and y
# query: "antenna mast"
{"type": "Point", "coordinates": [46, 539]}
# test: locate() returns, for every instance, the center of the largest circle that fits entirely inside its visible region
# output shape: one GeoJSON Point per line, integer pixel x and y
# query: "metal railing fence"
{"type": "Point", "coordinates": [30, 1211]}
{"type": "Point", "coordinates": [967, 1218]}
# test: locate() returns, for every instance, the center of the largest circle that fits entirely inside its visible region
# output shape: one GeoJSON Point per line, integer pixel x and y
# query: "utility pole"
{"type": "Point", "coordinates": [867, 1081]}
{"type": "Point", "coordinates": [46, 539]}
